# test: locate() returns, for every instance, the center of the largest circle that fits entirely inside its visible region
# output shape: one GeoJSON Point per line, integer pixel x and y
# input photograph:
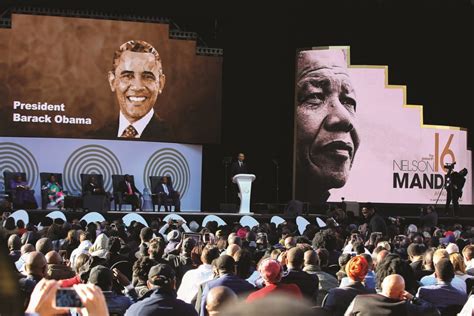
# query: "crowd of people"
{"type": "Point", "coordinates": [349, 266]}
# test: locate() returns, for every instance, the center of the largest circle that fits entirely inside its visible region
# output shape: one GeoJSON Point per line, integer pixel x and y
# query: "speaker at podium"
{"type": "Point", "coordinates": [244, 182]}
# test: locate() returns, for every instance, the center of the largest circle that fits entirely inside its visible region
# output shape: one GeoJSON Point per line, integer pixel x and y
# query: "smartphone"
{"type": "Point", "coordinates": [206, 238]}
{"type": "Point", "coordinates": [196, 236]}
{"type": "Point", "coordinates": [68, 297]}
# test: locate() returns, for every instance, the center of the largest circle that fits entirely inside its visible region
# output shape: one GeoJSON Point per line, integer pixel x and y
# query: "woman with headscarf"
{"type": "Point", "coordinates": [339, 299]}
{"type": "Point", "coordinates": [272, 272]}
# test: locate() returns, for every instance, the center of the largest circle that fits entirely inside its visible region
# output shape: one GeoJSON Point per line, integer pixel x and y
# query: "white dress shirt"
{"type": "Point", "coordinates": [138, 125]}
{"type": "Point", "coordinates": [192, 279]}
{"type": "Point", "coordinates": [165, 188]}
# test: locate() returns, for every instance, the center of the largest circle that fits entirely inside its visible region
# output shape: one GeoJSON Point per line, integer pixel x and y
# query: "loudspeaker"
{"type": "Point", "coordinates": [228, 208]}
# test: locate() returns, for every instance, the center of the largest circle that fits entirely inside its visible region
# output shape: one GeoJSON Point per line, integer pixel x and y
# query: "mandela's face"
{"type": "Point", "coordinates": [137, 82]}
{"type": "Point", "coordinates": [326, 130]}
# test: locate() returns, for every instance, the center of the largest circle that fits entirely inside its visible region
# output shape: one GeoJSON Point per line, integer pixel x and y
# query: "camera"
{"type": "Point", "coordinates": [449, 166]}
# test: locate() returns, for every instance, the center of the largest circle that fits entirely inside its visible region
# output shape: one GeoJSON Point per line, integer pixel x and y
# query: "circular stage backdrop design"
{"type": "Point", "coordinates": [169, 162]}
{"type": "Point", "coordinates": [90, 159]}
{"type": "Point", "coordinates": [16, 158]}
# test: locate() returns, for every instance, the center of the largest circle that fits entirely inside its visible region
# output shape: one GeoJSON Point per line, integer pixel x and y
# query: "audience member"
{"type": "Point", "coordinates": [35, 268]}
{"type": "Point", "coordinates": [308, 283]}
{"type": "Point", "coordinates": [218, 298]}
{"type": "Point", "coordinates": [14, 246]}
{"type": "Point", "coordinates": [392, 300]}
{"type": "Point", "coordinates": [103, 278]}
{"type": "Point", "coordinates": [459, 266]}
{"type": "Point", "coordinates": [225, 266]}
{"type": "Point", "coordinates": [430, 218]}
{"type": "Point", "coordinates": [443, 294]}
{"type": "Point", "coordinates": [277, 261]}
{"type": "Point", "coordinates": [326, 280]}
{"type": "Point", "coordinates": [44, 245]}
{"type": "Point", "coordinates": [272, 272]}
{"type": "Point", "coordinates": [57, 270]}
{"type": "Point", "coordinates": [183, 262]}
{"type": "Point", "coordinates": [415, 255]}
{"type": "Point", "coordinates": [468, 254]}
{"type": "Point", "coordinates": [161, 300]}
{"type": "Point", "coordinates": [191, 279]}
{"type": "Point", "coordinates": [339, 299]}
{"type": "Point", "coordinates": [271, 305]}
{"type": "Point", "coordinates": [394, 264]}
{"type": "Point", "coordinates": [140, 271]}
{"type": "Point", "coordinates": [432, 278]}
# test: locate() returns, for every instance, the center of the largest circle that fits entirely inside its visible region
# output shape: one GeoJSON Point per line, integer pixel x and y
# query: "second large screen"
{"type": "Point", "coordinates": [356, 138]}
{"type": "Point", "coordinates": [85, 78]}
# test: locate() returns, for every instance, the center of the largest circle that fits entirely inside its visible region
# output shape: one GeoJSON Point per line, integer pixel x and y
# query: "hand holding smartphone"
{"type": "Point", "coordinates": [68, 297]}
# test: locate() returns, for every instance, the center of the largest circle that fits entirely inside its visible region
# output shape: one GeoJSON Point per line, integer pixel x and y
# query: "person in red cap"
{"type": "Point", "coordinates": [242, 232]}
{"type": "Point", "coordinates": [271, 272]}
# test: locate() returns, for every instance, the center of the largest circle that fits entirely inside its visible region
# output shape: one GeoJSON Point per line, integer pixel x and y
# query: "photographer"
{"type": "Point", "coordinates": [454, 184]}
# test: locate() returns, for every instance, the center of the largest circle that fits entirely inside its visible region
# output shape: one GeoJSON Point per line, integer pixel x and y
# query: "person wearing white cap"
{"type": "Point", "coordinates": [100, 248]}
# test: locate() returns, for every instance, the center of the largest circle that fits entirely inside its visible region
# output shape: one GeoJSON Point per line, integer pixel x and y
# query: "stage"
{"type": "Point", "coordinates": [409, 212]}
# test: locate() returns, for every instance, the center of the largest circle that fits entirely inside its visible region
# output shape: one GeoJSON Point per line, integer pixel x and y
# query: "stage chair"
{"type": "Point", "coordinates": [94, 202]}
{"type": "Point", "coordinates": [156, 199]}
{"type": "Point", "coordinates": [118, 196]}
{"type": "Point", "coordinates": [44, 176]}
{"type": "Point", "coordinates": [8, 176]}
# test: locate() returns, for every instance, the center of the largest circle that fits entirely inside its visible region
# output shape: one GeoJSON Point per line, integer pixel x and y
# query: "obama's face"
{"type": "Point", "coordinates": [137, 81]}
{"type": "Point", "coordinates": [326, 129]}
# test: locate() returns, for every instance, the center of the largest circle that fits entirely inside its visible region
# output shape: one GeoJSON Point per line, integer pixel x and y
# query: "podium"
{"type": "Point", "coordinates": [244, 181]}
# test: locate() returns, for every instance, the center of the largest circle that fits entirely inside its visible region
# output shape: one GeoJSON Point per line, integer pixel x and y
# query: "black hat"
{"type": "Point", "coordinates": [102, 277]}
{"type": "Point", "coordinates": [161, 274]}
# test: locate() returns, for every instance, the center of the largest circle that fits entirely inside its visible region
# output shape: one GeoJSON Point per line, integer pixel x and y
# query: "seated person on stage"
{"type": "Point", "coordinates": [130, 193]}
{"type": "Point", "coordinates": [54, 191]}
{"type": "Point", "coordinates": [93, 187]}
{"type": "Point", "coordinates": [24, 196]}
{"type": "Point", "coordinates": [166, 191]}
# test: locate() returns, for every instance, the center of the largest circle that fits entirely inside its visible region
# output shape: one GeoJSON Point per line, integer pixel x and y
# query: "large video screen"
{"type": "Point", "coordinates": [85, 78]}
{"type": "Point", "coordinates": [356, 138]}
{"type": "Point", "coordinates": [73, 157]}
